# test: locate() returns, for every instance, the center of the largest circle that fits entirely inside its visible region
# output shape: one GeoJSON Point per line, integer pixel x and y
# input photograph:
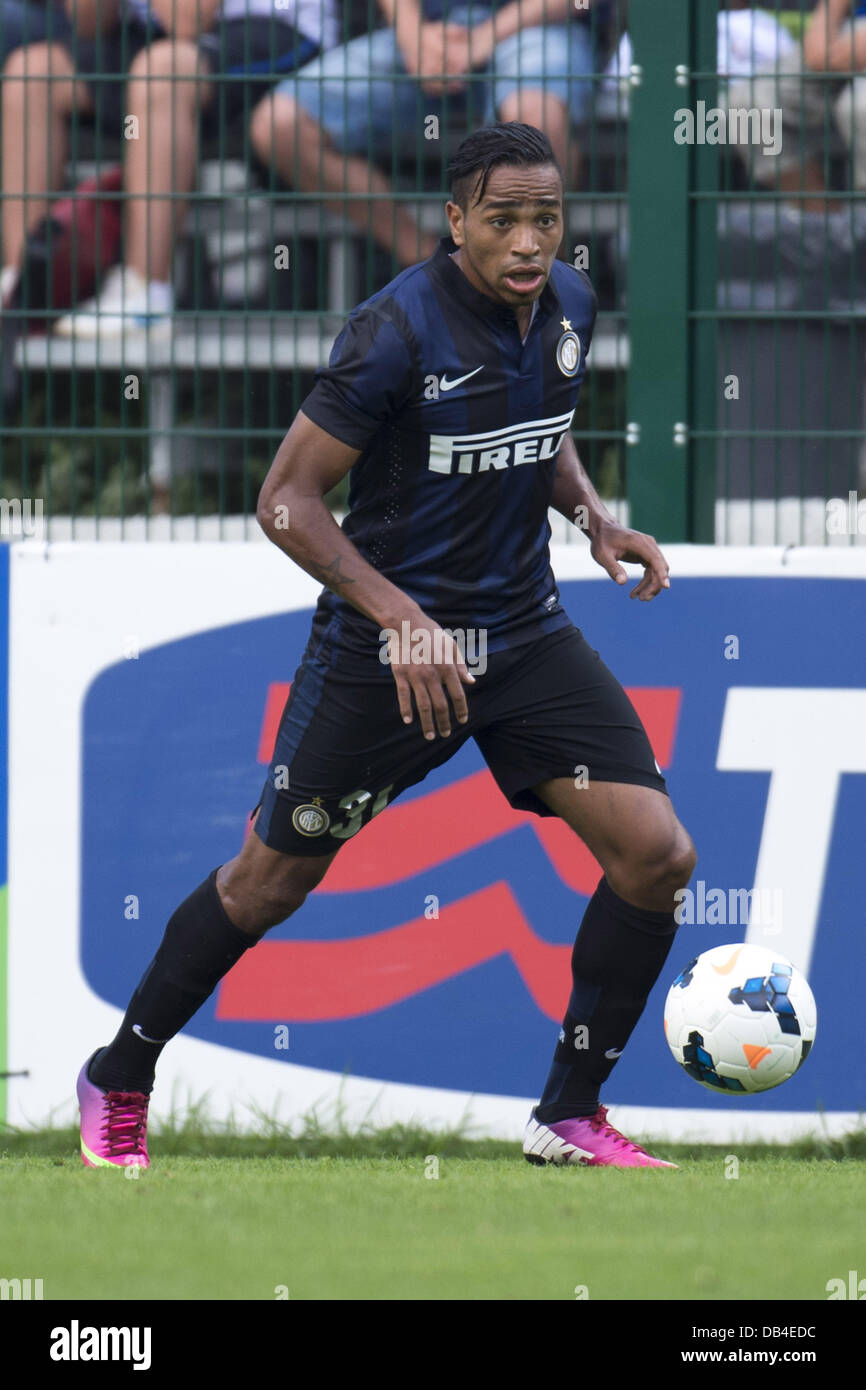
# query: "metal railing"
{"type": "Point", "coordinates": [724, 397]}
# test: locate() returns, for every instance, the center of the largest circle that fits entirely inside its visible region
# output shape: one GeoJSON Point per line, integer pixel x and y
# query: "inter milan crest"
{"type": "Point", "coordinates": [311, 819]}
{"type": "Point", "coordinates": [568, 350]}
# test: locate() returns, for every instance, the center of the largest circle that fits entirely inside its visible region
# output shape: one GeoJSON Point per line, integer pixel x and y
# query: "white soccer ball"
{"type": "Point", "coordinates": [740, 1018]}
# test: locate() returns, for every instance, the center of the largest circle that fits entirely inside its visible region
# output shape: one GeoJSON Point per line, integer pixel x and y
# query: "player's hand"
{"type": "Point", "coordinates": [612, 543]}
{"type": "Point", "coordinates": [428, 685]}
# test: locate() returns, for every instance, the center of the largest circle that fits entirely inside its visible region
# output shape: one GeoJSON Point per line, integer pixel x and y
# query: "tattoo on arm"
{"type": "Point", "coordinates": [331, 575]}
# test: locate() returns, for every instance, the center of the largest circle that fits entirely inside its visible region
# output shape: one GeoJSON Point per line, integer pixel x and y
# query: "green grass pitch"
{"type": "Point", "coordinates": [357, 1217]}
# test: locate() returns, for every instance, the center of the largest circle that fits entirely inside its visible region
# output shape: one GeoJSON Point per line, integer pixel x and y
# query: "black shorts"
{"type": "Point", "coordinates": [544, 709]}
{"type": "Point", "coordinates": [247, 57]}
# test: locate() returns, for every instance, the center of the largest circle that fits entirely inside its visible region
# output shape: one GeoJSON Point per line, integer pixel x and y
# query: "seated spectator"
{"type": "Point", "coordinates": [163, 64]}
{"type": "Point", "coordinates": [834, 41]}
{"type": "Point", "coordinates": [320, 129]}
{"type": "Point", "coordinates": [37, 97]}
{"type": "Point", "coordinates": [748, 41]}
{"type": "Point", "coordinates": [759, 65]}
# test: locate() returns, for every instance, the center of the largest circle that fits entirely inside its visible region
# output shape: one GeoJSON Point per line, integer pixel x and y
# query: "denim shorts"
{"type": "Point", "coordinates": [22, 22]}
{"type": "Point", "coordinates": [360, 93]}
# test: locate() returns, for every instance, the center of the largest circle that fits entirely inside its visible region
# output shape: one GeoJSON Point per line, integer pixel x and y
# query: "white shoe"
{"type": "Point", "coordinates": [8, 282]}
{"type": "Point", "coordinates": [125, 305]}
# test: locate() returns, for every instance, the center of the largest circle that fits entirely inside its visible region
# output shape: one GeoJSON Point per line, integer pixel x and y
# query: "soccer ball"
{"type": "Point", "coordinates": [740, 1018]}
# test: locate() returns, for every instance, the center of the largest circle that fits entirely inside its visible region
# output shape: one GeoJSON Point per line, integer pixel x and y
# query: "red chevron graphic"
{"type": "Point", "coordinates": [310, 981]}
{"type": "Point", "coordinates": [275, 701]}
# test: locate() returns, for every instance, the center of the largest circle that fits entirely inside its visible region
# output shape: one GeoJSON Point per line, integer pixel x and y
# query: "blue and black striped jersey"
{"type": "Point", "coordinates": [459, 423]}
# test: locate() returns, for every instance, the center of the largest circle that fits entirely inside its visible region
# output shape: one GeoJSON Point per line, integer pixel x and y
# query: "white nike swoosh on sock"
{"type": "Point", "coordinates": [160, 1042]}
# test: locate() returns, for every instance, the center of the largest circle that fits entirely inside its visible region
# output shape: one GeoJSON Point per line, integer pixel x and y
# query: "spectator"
{"type": "Point", "coordinates": [748, 40]}
{"type": "Point", "coordinates": [759, 65]}
{"type": "Point", "coordinates": [38, 96]}
{"type": "Point", "coordinates": [834, 42]}
{"type": "Point", "coordinates": [318, 130]}
{"type": "Point", "coordinates": [173, 51]}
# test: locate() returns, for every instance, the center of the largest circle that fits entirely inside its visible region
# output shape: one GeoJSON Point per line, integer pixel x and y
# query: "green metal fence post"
{"type": "Point", "coordinates": [705, 379]}
{"type": "Point", "coordinates": [658, 272]}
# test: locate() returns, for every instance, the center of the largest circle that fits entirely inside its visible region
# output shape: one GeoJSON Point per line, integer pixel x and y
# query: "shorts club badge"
{"type": "Point", "coordinates": [311, 818]}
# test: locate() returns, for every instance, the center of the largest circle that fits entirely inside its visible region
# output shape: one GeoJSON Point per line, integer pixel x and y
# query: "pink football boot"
{"type": "Point", "coordinates": [113, 1125]}
{"type": "Point", "coordinates": [589, 1140]}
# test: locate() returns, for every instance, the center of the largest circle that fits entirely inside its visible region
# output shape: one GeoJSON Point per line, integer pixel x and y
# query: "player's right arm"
{"type": "Point", "coordinates": [293, 514]}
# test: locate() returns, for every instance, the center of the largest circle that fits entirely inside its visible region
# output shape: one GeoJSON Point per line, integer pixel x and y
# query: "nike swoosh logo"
{"type": "Point", "coordinates": [138, 1033]}
{"type": "Point", "coordinates": [446, 385]}
{"type": "Point", "coordinates": [612, 1053]}
{"type": "Point", "coordinates": [726, 969]}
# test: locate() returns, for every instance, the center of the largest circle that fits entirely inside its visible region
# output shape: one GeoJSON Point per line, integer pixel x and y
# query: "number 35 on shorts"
{"type": "Point", "coordinates": [359, 806]}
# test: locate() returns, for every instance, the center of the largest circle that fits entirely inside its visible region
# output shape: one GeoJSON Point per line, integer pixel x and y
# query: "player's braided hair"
{"type": "Point", "coordinates": [508, 142]}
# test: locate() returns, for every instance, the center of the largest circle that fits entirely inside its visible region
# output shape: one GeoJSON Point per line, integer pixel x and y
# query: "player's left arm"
{"type": "Point", "coordinates": [575, 498]}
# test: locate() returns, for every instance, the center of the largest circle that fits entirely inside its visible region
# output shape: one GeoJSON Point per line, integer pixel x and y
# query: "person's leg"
{"type": "Point", "coordinates": [167, 88]}
{"type": "Point", "coordinates": [562, 712]}
{"type": "Point", "coordinates": [205, 937]}
{"type": "Point", "coordinates": [626, 932]}
{"type": "Point", "coordinates": [542, 76]}
{"type": "Point", "coordinates": [634, 834]}
{"type": "Point", "coordinates": [797, 167]}
{"type": "Point", "coordinates": [534, 106]}
{"type": "Point", "coordinates": [39, 93]}
{"type": "Point", "coordinates": [310, 126]}
{"type": "Point", "coordinates": [850, 113]}
{"type": "Point", "coordinates": [339, 729]}
{"type": "Point", "coordinates": [537, 107]}
{"type": "Point", "coordinates": [166, 84]}
{"type": "Point", "coordinates": [208, 934]}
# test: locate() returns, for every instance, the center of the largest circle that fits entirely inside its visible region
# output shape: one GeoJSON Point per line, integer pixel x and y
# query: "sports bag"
{"type": "Point", "coordinates": [66, 256]}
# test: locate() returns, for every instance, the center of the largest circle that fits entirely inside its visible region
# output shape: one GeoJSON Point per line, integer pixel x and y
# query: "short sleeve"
{"type": "Point", "coordinates": [370, 375]}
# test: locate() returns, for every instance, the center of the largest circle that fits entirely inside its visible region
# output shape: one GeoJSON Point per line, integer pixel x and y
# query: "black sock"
{"type": "Point", "coordinates": [617, 958]}
{"type": "Point", "coordinates": [200, 945]}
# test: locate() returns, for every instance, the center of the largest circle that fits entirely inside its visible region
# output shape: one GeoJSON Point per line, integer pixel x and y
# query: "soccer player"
{"type": "Point", "coordinates": [449, 395]}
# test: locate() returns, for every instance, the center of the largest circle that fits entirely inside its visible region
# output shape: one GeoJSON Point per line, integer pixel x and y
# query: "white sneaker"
{"type": "Point", "coordinates": [125, 305]}
{"type": "Point", "coordinates": [8, 281]}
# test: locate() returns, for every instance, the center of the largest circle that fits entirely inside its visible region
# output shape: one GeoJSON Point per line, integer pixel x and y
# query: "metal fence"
{"type": "Point", "coordinates": [724, 397]}
{"type": "Point", "coordinates": [747, 274]}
